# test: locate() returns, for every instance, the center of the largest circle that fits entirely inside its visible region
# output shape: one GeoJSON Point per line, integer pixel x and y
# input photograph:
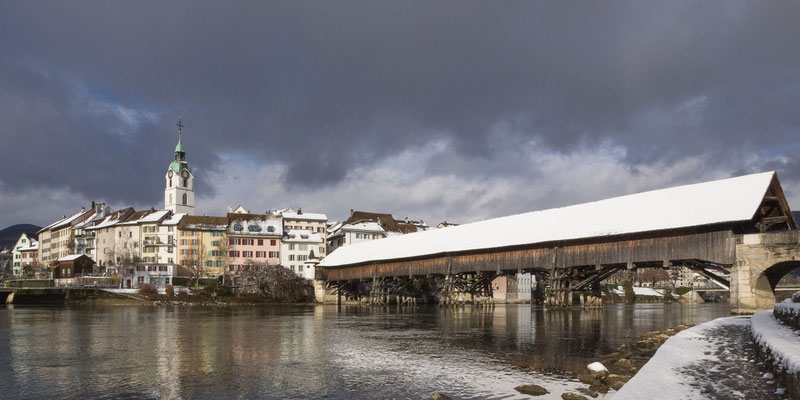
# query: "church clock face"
{"type": "Point", "coordinates": [170, 174]}
{"type": "Point", "coordinates": [185, 174]}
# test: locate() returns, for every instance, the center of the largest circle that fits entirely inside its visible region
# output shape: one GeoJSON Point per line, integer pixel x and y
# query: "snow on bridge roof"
{"type": "Point", "coordinates": [722, 201]}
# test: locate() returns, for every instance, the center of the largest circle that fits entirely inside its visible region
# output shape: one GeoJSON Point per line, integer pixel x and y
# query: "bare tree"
{"type": "Point", "coordinates": [654, 276]}
{"type": "Point", "coordinates": [125, 257]}
{"type": "Point", "coordinates": [223, 246]}
{"type": "Point", "coordinates": [195, 261]}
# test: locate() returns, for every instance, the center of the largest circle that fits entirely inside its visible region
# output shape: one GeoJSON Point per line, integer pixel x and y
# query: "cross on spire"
{"type": "Point", "coordinates": [179, 124]}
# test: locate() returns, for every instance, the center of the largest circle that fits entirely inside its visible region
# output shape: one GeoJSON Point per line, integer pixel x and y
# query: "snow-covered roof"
{"type": "Point", "coordinates": [288, 213]}
{"type": "Point", "coordinates": [175, 219]}
{"type": "Point", "coordinates": [111, 219]}
{"type": "Point", "coordinates": [64, 221]}
{"type": "Point", "coordinates": [34, 246]}
{"type": "Point", "coordinates": [301, 236]}
{"type": "Point", "coordinates": [71, 257]}
{"type": "Point", "coordinates": [154, 216]}
{"type": "Point", "coordinates": [722, 201]}
{"type": "Point", "coordinates": [203, 223]}
{"type": "Point", "coordinates": [363, 226]}
{"type": "Point", "coordinates": [255, 225]}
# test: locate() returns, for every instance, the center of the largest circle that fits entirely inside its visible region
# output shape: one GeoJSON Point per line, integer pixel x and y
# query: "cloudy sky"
{"type": "Point", "coordinates": [453, 111]}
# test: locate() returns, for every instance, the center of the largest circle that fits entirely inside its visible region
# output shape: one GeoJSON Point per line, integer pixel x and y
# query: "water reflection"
{"type": "Point", "coordinates": [311, 351]}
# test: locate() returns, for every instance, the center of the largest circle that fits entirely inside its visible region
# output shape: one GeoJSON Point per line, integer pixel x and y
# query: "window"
{"type": "Point", "coordinates": [170, 182]}
{"type": "Point", "coordinates": [291, 246]}
{"type": "Point", "coordinates": [260, 242]}
{"type": "Point", "coordinates": [215, 242]}
{"type": "Point", "coordinates": [170, 228]}
{"type": "Point", "coordinates": [291, 257]}
{"type": "Point", "coordinates": [274, 254]}
{"type": "Point", "coordinates": [272, 242]}
{"type": "Point", "coordinates": [183, 242]}
{"type": "Point", "coordinates": [358, 236]}
{"type": "Point", "coordinates": [185, 184]}
{"type": "Point", "coordinates": [184, 199]}
{"type": "Point", "coordinates": [130, 234]}
{"type": "Point", "coordinates": [194, 242]}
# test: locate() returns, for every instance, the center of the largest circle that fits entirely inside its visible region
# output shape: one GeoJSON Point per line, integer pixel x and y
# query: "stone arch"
{"type": "Point", "coordinates": [772, 275]}
{"type": "Point", "coordinates": [761, 261]}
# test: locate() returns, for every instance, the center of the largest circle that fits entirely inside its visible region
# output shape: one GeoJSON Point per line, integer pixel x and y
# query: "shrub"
{"type": "Point", "coordinates": [147, 289]}
{"type": "Point", "coordinates": [170, 290]}
{"type": "Point", "coordinates": [682, 290]}
{"type": "Point", "coordinates": [224, 291]}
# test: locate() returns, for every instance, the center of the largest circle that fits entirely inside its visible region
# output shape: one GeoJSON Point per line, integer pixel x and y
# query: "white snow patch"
{"type": "Point", "coordinates": [783, 344]}
{"type": "Point", "coordinates": [661, 377]}
{"type": "Point", "coordinates": [597, 367]}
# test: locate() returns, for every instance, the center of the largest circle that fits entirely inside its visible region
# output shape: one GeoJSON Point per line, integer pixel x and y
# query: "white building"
{"type": "Point", "coordinates": [347, 234]}
{"type": "Point", "coordinates": [22, 252]}
{"type": "Point", "coordinates": [159, 275]}
{"type": "Point", "coordinates": [299, 246]}
{"type": "Point", "coordinates": [315, 222]}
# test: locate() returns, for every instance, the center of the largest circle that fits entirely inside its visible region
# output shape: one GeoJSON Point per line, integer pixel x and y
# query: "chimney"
{"type": "Point", "coordinates": [299, 211]}
{"type": "Point", "coordinates": [351, 212]}
{"type": "Point", "coordinates": [406, 220]}
{"type": "Point", "coordinates": [83, 209]}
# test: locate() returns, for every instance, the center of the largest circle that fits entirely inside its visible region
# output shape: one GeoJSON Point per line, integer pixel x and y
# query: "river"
{"type": "Point", "coordinates": [312, 351]}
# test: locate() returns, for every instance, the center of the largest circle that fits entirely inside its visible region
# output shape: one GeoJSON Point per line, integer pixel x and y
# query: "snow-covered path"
{"type": "Point", "coordinates": [714, 360]}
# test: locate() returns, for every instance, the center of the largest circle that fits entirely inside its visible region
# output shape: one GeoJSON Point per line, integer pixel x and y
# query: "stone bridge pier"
{"type": "Point", "coordinates": [761, 261]}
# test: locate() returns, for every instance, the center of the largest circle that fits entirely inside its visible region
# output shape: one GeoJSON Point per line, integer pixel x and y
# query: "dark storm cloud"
{"type": "Point", "coordinates": [89, 91]}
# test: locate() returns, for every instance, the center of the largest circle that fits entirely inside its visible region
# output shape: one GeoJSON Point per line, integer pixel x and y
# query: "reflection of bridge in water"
{"type": "Point", "coordinates": [738, 225]}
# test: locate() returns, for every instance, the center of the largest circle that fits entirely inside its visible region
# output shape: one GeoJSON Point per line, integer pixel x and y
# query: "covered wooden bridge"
{"type": "Point", "coordinates": [698, 226]}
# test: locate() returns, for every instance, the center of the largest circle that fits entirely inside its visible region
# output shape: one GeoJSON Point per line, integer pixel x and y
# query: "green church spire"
{"type": "Point", "coordinates": [179, 162]}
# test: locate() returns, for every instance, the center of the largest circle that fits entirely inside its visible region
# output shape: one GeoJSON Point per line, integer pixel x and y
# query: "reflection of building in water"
{"type": "Point", "coordinates": [167, 360]}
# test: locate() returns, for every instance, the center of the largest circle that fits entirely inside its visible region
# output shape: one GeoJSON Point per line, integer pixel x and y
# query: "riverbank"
{"type": "Point", "coordinates": [126, 297]}
{"type": "Point", "coordinates": [716, 359]}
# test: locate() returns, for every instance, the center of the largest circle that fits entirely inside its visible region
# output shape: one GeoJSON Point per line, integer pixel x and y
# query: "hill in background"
{"type": "Point", "coordinates": [9, 236]}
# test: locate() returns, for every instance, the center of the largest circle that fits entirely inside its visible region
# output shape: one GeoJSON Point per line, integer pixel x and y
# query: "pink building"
{"type": "Point", "coordinates": [253, 238]}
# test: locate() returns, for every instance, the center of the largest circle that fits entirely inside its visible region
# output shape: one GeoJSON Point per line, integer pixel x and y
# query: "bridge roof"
{"type": "Point", "coordinates": [722, 201]}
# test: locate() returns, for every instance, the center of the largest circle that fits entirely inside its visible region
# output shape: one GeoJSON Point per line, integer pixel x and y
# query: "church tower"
{"type": "Point", "coordinates": [179, 190]}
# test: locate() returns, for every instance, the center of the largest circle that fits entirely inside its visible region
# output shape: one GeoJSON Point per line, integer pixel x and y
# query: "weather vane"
{"type": "Point", "coordinates": [179, 124]}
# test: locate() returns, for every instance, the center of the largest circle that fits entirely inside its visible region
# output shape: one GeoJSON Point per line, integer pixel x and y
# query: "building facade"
{"type": "Point", "coordinates": [201, 244]}
{"type": "Point", "coordinates": [25, 252]}
{"type": "Point", "coordinates": [253, 238]}
{"type": "Point", "coordinates": [299, 246]}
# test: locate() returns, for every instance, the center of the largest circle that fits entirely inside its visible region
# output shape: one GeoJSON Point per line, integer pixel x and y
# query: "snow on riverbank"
{"type": "Point", "coordinates": [669, 374]}
{"type": "Point", "coordinates": [778, 341]}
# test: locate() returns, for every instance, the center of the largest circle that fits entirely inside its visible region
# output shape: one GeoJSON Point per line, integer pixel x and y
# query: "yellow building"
{"type": "Point", "coordinates": [202, 246]}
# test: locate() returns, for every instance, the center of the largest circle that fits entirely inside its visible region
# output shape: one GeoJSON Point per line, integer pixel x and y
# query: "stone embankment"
{"type": "Point", "coordinates": [60, 296]}
{"type": "Point", "coordinates": [778, 343]}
